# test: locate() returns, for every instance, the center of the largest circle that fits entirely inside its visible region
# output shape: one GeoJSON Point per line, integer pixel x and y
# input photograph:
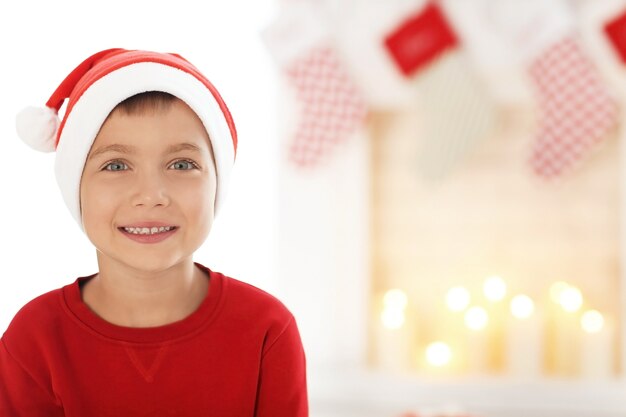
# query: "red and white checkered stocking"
{"type": "Point", "coordinates": [331, 106]}
{"type": "Point", "coordinates": [576, 112]}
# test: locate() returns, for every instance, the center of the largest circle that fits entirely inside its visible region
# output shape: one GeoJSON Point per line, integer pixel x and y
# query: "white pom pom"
{"type": "Point", "coordinates": [37, 127]}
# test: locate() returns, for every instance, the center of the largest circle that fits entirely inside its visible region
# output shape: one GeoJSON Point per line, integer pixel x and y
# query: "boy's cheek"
{"type": "Point", "coordinates": [96, 200]}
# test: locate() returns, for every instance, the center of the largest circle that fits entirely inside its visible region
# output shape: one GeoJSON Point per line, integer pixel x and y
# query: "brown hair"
{"type": "Point", "coordinates": [141, 103]}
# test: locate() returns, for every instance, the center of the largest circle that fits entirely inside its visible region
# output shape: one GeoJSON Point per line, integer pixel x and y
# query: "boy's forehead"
{"type": "Point", "coordinates": [155, 132]}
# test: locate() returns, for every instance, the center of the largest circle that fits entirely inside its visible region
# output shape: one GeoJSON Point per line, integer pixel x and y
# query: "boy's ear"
{"type": "Point", "coordinates": [80, 203]}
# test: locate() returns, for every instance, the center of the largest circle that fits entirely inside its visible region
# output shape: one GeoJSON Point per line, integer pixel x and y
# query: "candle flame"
{"type": "Point", "coordinates": [396, 299]}
{"type": "Point", "coordinates": [592, 321]}
{"type": "Point", "coordinates": [522, 306]}
{"type": "Point", "coordinates": [494, 288]}
{"type": "Point", "coordinates": [457, 298]}
{"type": "Point", "coordinates": [571, 299]}
{"type": "Point", "coordinates": [438, 354]}
{"type": "Point", "coordinates": [476, 318]}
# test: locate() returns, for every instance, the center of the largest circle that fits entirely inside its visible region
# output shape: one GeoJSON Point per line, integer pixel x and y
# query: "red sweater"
{"type": "Point", "coordinates": [238, 355]}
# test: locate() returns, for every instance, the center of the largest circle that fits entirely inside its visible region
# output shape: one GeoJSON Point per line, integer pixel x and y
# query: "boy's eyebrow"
{"type": "Point", "coordinates": [129, 149]}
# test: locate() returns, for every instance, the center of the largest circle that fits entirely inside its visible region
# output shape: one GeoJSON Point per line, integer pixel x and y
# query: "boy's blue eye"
{"type": "Point", "coordinates": [184, 161]}
{"type": "Point", "coordinates": [114, 163]}
{"type": "Point", "coordinates": [190, 165]}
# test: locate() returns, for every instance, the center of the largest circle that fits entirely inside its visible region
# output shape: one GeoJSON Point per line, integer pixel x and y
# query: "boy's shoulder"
{"type": "Point", "coordinates": [36, 318]}
{"type": "Point", "coordinates": [40, 309]}
{"type": "Point", "coordinates": [252, 300]}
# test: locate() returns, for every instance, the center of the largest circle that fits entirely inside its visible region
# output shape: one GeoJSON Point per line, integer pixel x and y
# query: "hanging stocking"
{"type": "Point", "coordinates": [457, 111]}
{"type": "Point", "coordinates": [331, 107]}
{"type": "Point", "coordinates": [615, 31]}
{"type": "Point", "coordinates": [576, 111]}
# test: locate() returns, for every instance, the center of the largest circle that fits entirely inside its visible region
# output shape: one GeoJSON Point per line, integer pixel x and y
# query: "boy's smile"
{"type": "Point", "coordinates": [148, 235]}
{"type": "Point", "coordinates": [149, 178]}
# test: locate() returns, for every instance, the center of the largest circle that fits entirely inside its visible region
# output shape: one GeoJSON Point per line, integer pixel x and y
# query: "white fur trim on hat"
{"type": "Point", "coordinates": [91, 109]}
{"type": "Point", "coordinates": [37, 127]}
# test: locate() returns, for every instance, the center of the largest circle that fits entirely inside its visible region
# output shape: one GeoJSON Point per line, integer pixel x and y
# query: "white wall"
{"type": "Point", "coordinates": [323, 245]}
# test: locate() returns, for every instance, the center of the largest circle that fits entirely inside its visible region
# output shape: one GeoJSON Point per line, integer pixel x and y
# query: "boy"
{"type": "Point", "coordinates": [143, 156]}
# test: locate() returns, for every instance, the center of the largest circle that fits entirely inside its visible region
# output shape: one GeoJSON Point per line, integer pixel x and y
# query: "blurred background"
{"type": "Point", "coordinates": [433, 188]}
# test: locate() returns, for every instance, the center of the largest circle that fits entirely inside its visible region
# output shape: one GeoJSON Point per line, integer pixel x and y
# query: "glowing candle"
{"type": "Point", "coordinates": [477, 342]}
{"type": "Point", "coordinates": [566, 333]}
{"type": "Point", "coordinates": [597, 354]}
{"type": "Point", "coordinates": [393, 331]}
{"type": "Point", "coordinates": [495, 290]}
{"type": "Point", "coordinates": [524, 338]}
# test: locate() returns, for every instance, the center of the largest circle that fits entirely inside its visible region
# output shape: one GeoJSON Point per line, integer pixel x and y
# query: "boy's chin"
{"type": "Point", "coordinates": [143, 262]}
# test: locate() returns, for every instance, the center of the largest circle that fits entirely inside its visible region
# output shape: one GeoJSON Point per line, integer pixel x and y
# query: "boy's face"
{"type": "Point", "coordinates": [150, 183]}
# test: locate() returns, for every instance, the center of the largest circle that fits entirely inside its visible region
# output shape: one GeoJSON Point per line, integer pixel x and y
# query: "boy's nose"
{"type": "Point", "coordinates": [150, 190]}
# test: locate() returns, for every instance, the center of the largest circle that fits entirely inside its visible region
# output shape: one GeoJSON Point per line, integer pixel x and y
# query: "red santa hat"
{"type": "Point", "coordinates": [101, 82]}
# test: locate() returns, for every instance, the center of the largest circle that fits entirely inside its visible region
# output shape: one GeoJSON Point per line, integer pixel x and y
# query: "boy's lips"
{"type": "Point", "coordinates": [148, 224]}
{"type": "Point", "coordinates": [149, 237]}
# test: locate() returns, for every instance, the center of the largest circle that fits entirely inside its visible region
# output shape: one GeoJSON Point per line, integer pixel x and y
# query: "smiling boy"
{"type": "Point", "coordinates": [126, 186]}
{"type": "Point", "coordinates": [143, 157]}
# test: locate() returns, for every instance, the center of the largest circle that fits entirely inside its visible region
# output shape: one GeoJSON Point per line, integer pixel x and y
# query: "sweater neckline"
{"type": "Point", "coordinates": [205, 313]}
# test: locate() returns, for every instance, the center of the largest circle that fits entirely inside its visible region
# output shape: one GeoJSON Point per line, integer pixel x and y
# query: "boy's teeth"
{"type": "Point", "coordinates": [147, 230]}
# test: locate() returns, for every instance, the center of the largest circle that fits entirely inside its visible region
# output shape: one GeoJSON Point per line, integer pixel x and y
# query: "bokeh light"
{"type": "Point", "coordinates": [494, 288]}
{"type": "Point", "coordinates": [476, 318]}
{"type": "Point", "coordinates": [457, 298]}
{"type": "Point", "coordinates": [571, 299]}
{"type": "Point", "coordinates": [395, 299]}
{"type": "Point", "coordinates": [522, 306]}
{"type": "Point", "coordinates": [438, 354]}
{"type": "Point", "coordinates": [592, 321]}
